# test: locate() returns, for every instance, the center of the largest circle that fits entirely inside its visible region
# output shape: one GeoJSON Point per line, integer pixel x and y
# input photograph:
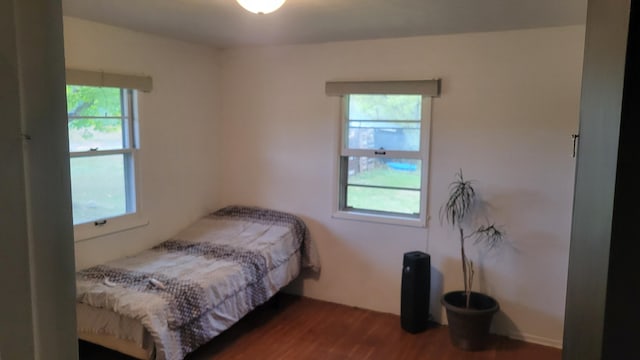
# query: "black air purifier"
{"type": "Point", "coordinates": [416, 284]}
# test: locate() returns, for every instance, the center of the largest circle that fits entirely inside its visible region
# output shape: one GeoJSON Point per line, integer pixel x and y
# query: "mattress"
{"type": "Point", "coordinates": [165, 302]}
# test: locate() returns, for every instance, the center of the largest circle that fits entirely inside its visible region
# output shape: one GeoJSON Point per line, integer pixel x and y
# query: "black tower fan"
{"type": "Point", "coordinates": [416, 284]}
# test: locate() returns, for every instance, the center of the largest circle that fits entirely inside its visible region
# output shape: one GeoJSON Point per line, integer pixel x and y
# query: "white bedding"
{"type": "Point", "coordinates": [227, 263]}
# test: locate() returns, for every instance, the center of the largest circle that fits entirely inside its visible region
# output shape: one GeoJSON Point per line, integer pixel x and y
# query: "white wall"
{"type": "Point", "coordinates": [179, 170]}
{"type": "Point", "coordinates": [508, 108]}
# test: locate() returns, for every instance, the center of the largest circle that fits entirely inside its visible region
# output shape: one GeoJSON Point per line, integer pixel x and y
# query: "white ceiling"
{"type": "Point", "coordinates": [223, 23]}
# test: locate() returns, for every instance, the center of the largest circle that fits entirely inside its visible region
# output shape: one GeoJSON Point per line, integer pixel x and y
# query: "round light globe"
{"type": "Point", "coordinates": [261, 6]}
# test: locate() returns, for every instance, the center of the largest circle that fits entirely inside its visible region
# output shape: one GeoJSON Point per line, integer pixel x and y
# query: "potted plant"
{"type": "Point", "coordinates": [469, 313]}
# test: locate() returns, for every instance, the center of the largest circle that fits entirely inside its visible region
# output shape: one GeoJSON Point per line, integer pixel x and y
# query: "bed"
{"type": "Point", "coordinates": [165, 302]}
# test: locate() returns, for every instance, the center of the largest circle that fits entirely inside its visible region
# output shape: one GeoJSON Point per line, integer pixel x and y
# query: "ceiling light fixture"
{"type": "Point", "coordinates": [261, 6]}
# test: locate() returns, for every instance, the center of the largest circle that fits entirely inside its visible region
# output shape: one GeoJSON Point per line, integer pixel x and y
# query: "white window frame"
{"type": "Point", "coordinates": [426, 88]}
{"type": "Point", "coordinates": [129, 86]}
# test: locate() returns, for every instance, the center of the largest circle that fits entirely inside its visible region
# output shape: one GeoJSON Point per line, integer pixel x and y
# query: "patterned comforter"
{"type": "Point", "coordinates": [176, 289]}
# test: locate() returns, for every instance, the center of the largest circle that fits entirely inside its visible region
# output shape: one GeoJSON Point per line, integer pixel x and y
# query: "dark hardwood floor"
{"type": "Point", "coordinates": [301, 328]}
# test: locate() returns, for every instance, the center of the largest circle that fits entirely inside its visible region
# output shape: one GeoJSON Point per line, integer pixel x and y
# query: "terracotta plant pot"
{"type": "Point", "coordinates": [469, 327]}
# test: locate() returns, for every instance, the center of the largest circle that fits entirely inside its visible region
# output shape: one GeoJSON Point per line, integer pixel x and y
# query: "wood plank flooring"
{"type": "Point", "coordinates": [301, 328]}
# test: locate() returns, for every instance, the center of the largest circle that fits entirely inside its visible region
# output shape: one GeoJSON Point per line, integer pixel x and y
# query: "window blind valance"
{"type": "Point", "coordinates": [419, 87]}
{"type": "Point", "coordinates": [101, 78]}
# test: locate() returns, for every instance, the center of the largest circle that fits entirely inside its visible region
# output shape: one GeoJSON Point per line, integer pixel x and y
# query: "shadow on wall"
{"type": "Point", "coordinates": [296, 287]}
{"type": "Point", "coordinates": [504, 325]}
{"type": "Point", "coordinates": [354, 272]}
{"type": "Point", "coordinates": [436, 291]}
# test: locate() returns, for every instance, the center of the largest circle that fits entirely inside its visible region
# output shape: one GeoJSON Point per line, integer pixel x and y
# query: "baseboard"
{"type": "Point", "coordinates": [534, 339]}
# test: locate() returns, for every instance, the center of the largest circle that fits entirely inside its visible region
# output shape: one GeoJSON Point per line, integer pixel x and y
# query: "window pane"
{"type": "Point", "coordinates": [95, 134]}
{"type": "Point", "coordinates": [402, 136]}
{"type": "Point", "coordinates": [98, 186]}
{"type": "Point", "coordinates": [391, 122]}
{"type": "Point", "coordinates": [401, 173]}
{"type": "Point", "coordinates": [385, 107]}
{"type": "Point", "coordinates": [387, 200]}
{"type": "Point", "coordinates": [389, 185]}
{"type": "Point", "coordinates": [93, 101]}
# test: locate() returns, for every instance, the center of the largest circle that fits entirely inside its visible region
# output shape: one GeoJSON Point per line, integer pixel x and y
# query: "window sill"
{"type": "Point", "coordinates": [379, 219]}
{"type": "Point", "coordinates": [114, 225]}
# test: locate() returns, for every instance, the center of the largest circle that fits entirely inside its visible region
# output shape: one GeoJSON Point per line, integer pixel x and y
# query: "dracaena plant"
{"type": "Point", "coordinates": [458, 212]}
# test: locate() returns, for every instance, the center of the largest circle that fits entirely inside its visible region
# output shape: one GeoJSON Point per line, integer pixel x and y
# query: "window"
{"type": "Point", "coordinates": [383, 158]}
{"type": "Point", "coordinates": [103, 146]}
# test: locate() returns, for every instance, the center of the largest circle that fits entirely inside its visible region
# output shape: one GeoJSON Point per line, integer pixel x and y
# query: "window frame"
{"type": "Point", "coordinates": [134, 218]}
{"type": "Point", "coordinates": [341, 211]}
